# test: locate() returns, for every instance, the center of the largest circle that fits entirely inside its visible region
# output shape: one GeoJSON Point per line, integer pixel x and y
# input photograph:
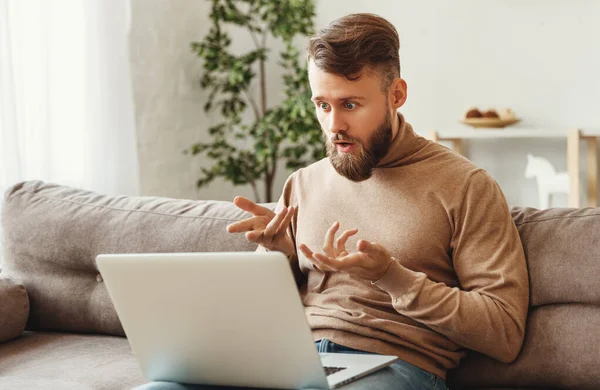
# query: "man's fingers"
{"type": "Point", "coordinates": [341, 241]}
{"type": "Point", "coordinates": [329, 236]}
{"type": "Point", "coordinates": [351, 260]}
{"type": "Point", "coordinates": [324, 262]}
{"type": "Point", "coordinates": [307, 252]}
{"type": "Point", "coordinates": [282, 229]}
{"type": "Point", "coordinates": [254, 235]}
{"type": "Point", "coordinates": [309, 255]}
{"type": "Point", "coordinates": [245, 225]}
{"type": "Point", "coordinates": [251, 207]}
{"type": "Point", "coordinates": [273, 225]}
{"type": "Point", "coordinates": [369, 247]}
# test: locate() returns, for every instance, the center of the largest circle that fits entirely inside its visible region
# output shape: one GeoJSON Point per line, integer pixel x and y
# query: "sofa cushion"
{"type": "Point", "coordinates": [561, 349]}
{"type": "Point", "coordinates": [54, 233]}
{"type": "Point", "coordinates": [561, 247]}
{"type": "Point", "coordinates": [14, 309]}
{"type": "Point", "coordinates": [39, 360]}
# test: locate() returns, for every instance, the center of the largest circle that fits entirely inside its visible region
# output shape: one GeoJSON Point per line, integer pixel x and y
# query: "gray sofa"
{"type": "Point", "coordinates": [59, 330]}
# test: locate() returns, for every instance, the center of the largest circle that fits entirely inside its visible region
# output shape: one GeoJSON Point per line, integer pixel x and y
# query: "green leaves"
{"type": "Point", "coordinates": [246, 152]}
{"type": "Point", "coordinates": [286, 18]}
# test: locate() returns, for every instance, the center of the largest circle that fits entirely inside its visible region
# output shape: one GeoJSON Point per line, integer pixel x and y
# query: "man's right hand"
{"type": "Point", "coordinates": [265, 228]}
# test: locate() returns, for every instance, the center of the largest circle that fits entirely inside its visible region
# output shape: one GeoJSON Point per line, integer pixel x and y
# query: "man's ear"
{"type": "Point", "coordinates": [398, 92]}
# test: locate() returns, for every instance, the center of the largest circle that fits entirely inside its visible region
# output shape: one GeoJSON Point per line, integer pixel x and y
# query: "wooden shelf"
{"type": "Point", "coordinates": [513, 132]}
{"type": "Point", "coordinates": [573, 150]}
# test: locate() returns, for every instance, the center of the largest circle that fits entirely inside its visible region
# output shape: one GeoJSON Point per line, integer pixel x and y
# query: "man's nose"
{"type": "Point", "coordinates": [336, 123]}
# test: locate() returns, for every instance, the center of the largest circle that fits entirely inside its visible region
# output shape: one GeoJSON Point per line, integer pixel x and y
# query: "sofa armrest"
{"type": "Point", "coordinates": [14, 309]}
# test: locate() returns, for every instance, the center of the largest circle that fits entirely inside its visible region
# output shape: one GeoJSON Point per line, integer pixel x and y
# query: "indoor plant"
{"type": "Point", "coordinates": [248, 151]}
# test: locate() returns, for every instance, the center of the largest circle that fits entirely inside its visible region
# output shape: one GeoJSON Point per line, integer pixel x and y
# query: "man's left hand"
{"type": "Point", "coordinates": [371, 261]}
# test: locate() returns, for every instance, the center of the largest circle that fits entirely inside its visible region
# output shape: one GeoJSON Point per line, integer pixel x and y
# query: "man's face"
{"type": "Point", "coordinates": [356, 120]}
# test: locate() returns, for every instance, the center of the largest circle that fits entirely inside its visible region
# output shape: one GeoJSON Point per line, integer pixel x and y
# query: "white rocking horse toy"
{"type": "Point", "coordinates": [548, 180]}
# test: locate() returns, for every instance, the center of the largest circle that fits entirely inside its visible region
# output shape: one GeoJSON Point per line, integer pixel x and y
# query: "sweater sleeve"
{"type": "Point", "coordinates": [488, 312]}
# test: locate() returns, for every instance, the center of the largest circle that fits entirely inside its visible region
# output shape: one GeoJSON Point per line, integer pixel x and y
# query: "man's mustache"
{"type": "Point", "coordinates": [342, 137]}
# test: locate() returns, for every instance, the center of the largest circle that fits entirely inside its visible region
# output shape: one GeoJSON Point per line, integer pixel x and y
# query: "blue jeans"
{"type": "Point", "coordinates": [398, 376]}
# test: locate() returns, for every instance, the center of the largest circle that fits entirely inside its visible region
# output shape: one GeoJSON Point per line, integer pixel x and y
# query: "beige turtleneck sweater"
{"type": "Point", "coordinates": [460, 279]}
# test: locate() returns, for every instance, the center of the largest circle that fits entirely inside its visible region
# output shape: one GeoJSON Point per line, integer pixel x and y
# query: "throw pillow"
{"type": "Point", "coordinates": [14, 309]}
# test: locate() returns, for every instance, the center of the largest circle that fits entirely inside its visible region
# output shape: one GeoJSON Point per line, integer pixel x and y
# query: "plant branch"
{"type": "Point", "coordinates": [272, 173]}
{"type": "Point", "coordinates": [252, 183]}
{"type": "Point", "coordinates": [255, 40]}
{"type": "Point", "coordinates": [255, 191]}
{"type": "Point", "coordinates": [263, 80]}
{"type": "Point", "coordinates": [253, 104]}
{"type": "Point", "coordinates": [264, 38]}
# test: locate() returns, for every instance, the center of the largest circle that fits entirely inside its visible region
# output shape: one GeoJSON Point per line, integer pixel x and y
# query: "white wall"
{"type": "Point", "coordinates": [539, 57]}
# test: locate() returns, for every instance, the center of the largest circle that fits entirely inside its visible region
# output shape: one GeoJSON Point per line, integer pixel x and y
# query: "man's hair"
{"type": "Point", "coordinates": [356, 43]}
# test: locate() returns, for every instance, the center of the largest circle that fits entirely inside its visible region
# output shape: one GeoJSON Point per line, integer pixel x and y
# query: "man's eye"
{"type": "Point", "coordinates": [350, 106]}
{"type": "Point", "coordinates": [324, 106]}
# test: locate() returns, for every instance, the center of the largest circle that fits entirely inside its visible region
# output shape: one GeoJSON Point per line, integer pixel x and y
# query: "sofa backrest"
{"type": "Point", "coordinates": [53, 234]}
{"type": "Point", "coordinates": [563, 257]}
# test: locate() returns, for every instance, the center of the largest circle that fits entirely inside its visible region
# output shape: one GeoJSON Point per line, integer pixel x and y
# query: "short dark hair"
{"type": "Point", "coordinates": [357, 42]}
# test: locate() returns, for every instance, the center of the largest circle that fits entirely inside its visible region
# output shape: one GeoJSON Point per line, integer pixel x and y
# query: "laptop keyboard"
{"type": "Point", "coordinates": [333, 370]}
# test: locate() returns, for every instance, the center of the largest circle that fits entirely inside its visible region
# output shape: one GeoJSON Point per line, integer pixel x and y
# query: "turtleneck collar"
{"type": "Point", "coordinates": [401, 146]}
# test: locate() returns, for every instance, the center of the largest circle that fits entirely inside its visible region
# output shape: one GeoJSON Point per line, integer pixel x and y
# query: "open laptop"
{"type": "Point", "coordinates": [230, 319]}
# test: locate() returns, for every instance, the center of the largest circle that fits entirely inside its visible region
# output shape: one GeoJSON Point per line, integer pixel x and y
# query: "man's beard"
{"type": "Point", "coordinates": [360, 167]}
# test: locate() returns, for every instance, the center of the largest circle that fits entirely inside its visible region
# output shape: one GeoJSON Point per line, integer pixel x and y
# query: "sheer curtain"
{"type": "Point", "coordinates": [66, 110]}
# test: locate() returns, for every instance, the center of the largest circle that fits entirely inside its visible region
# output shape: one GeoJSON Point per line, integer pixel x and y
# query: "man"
{"type": "Point", "coordinates": [438, 265]}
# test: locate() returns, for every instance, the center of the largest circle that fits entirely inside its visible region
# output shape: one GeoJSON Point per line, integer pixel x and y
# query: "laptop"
{"type": "Point", "coordinates": [229, 319]}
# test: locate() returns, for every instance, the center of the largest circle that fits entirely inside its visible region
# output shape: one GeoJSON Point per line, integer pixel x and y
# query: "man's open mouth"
{"type": "Point", "coordinates": [345, 147]}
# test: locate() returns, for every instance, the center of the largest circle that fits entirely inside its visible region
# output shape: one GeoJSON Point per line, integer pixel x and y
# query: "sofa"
{"type": "Point", "coordinates": [59, 330]}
